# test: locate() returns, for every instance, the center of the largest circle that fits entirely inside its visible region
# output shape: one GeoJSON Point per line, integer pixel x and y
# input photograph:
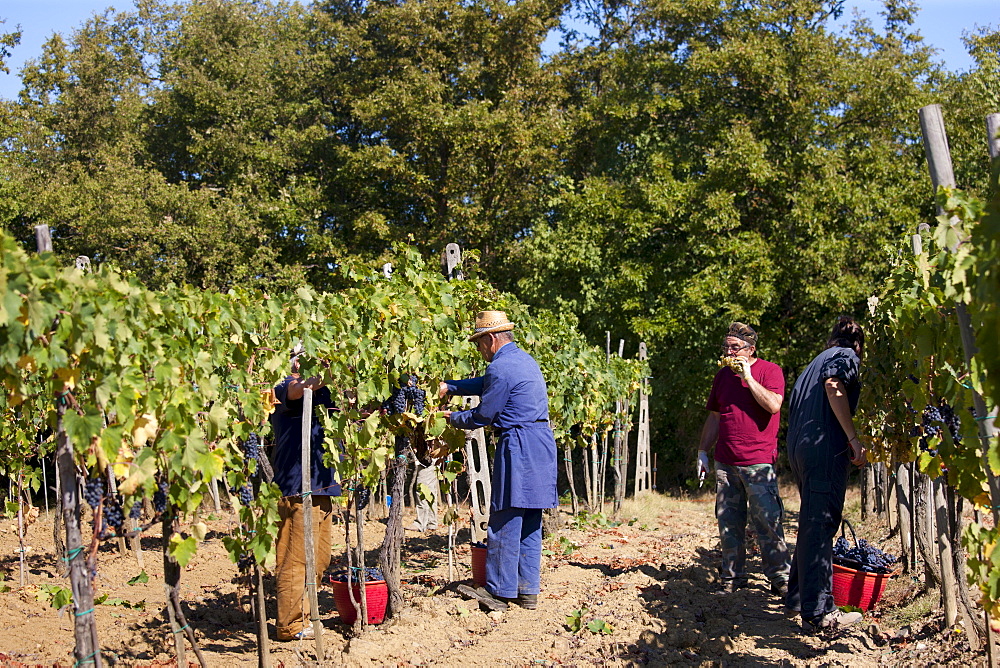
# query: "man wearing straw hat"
{"type": "Point", "coordinates": [514, 401]}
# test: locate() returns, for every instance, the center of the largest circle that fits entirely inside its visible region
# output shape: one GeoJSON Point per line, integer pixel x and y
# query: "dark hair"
{"type": "Point", "coordinates": [847, 334]}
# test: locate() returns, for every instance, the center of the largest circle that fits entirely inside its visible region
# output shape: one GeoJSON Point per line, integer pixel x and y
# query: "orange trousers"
{"type": "Point", "coordinates": [290, 571]}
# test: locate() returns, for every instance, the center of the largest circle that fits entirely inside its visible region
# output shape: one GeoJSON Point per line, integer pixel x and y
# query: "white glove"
{"type": "Point", "coordinates": [702, 466]}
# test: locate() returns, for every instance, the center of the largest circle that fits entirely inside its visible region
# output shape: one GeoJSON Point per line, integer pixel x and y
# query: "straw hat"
{"type": "Point", "coordinates": [490, 322]}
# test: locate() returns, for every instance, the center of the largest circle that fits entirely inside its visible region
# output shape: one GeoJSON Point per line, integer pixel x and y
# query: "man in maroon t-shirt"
{"type": "Point", "coordinates": [742, 432]}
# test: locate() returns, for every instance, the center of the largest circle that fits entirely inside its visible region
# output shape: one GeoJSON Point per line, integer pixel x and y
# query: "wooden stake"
{"type": "Point", "coordinates": [20, 523]}
{"type": "Point", "coordinates": [642, 473]}
{"type": "Point", "coordinates": [942, 175]}
{"type": "Point", "coordinates": [43, 239]}
{"type": "Point", "coordinates": [307, 514]}
{"type": "Point", "coordinates": [946, 563]}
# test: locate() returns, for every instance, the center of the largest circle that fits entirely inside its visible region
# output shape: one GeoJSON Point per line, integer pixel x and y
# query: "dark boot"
{"type": "Point", "coordinates": [527, 601]}
{"type": "Point", "coordinates": [486, 600]}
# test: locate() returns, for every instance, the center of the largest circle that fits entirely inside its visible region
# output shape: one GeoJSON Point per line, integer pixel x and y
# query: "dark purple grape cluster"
{"type": "Point", "coordinates": [416, 397]}
{"type": "Point", "coordinates": [933, 419]}
{"type": "Point", "coordinates": [479, 543]}
{"type": "Point", "coordinates": [160, 497]}
{"type": "Point", "coordinates": [113, 515]}
{"type": "Point", "coordinates": [245, 493]}
{"type": "Point", "coordinates": [406, 395]}
{"type": "Point", "coordinates": [362, 499]}
{"type": "Point", "coordinates": [251, 447]}
{"type": "Point", "coordinates": [398, 400]}
{"type": "Point", "coordinates": [862, 557]}
{"type": "Point", "coordinates": [135, 512]}
{"type": "Point", "coordinates": [245, 561]}
{"type": "Point", "coordinates": [93, 491]}
{"type": "Point", "coordinates": [370, 575]}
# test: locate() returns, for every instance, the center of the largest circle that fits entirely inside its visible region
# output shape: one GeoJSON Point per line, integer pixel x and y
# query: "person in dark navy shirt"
{"type": "Point", "coordinates": [822, 444]}
{"type": "Point", "coordinates": [286, 460]}
{"type": "Point", "coordinates": [514, 402]}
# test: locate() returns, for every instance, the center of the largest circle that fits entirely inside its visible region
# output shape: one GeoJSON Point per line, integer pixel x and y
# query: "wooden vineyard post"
{"type": "Point", "coordinates": [86, 648]}
{"type": "Point", "coordinates": [43, 239]}
{"type": "Point", "coordinates": [642, 471]}
{"type": "Point", "coordinates": [989, 423]}
{"type": "Point", "coordinates": [619, 456]}
{"type": "Point", "coordinates": [942, 174]}
{"type": "Point", "coordinates": [307, 514]}
{"type": "Point", "coordinates": [43, 244]}
{"type": "Point", "coordinates": [904, 512]}
{"type": "Point", "coordinates": [948, 584]}
{"type": "Point", "coordinates": [477, 465]}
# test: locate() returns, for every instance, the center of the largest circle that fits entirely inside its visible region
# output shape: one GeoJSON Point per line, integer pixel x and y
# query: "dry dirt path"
{"type": "Point", "coordinates": [649, 579]}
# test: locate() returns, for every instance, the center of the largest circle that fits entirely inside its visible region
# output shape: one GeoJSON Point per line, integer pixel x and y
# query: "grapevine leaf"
{"type": "Point", "coordinates": [600, 626]}
{"type": "Point", "coordinates": [183, 549]}
{"type": "Point", "coordinates": [82, 429]}
{"type": "Point", "coordinates": [141, 578]}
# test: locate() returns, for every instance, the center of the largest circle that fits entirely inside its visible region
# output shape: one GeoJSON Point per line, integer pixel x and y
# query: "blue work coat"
{"type": "Point", "coordinates": [514, 402]}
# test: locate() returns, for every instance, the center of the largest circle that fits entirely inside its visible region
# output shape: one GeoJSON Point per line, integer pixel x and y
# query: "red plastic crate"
{"type": "Point", "coordinates": [376, 593]}
{"type": "Point", "coordinates": [858, 588]}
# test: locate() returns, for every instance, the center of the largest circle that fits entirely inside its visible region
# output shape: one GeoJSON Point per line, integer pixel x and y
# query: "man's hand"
{"type": "Point", "coordinates": [446, 415]}
{"type": "Point", "coordinates": [442, 390]}
{"type": "Point", "coordinates": [858, 454]}
{"type": "Point", "coordinates": [744, 372]}
{"type": "Point", "coordinates": [702, 466]}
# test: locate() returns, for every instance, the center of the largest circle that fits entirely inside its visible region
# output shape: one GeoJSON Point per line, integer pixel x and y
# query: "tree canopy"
{"type": "Point", "coordinates": [672, 166]}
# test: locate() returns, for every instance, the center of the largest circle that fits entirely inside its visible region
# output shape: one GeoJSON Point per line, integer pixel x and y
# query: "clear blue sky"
{"type": "Point", "coordinates": [941, 22]}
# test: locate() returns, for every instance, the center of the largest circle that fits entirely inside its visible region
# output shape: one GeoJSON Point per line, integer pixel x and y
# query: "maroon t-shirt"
{"type": "Point", "coordinates": [748, 434]}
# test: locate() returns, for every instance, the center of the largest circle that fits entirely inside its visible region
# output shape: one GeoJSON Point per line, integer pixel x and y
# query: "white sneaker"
{"type": "Point", "coordinates": [831, 621]}
{"type": "Point", "coordinates": [308, 633]}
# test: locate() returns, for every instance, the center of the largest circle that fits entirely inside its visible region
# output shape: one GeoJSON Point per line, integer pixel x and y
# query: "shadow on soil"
{"type": "Point", "coordinates": [692, 621]}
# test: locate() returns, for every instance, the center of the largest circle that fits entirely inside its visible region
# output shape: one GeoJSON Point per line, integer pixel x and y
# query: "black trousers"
{"type": "Point", "coordinates": [820, 462]}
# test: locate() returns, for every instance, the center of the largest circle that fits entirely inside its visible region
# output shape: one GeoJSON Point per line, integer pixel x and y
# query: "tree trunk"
{"type": "Point", "coordinates": [359, 525]}
{"type": "Point", "coordinates": [349, 556]}
{"type": "Point", "coordinates": [867, 491]}
{"type": "Point", "coordinates": [59, 545]}
{"type": "Point", "coordinates": [87, 648]}
{"type": "Point", "coordinates": [551, 522]}
{"type": "Point", "coordinates": [389, 555]}
{"type": "Point", "coordinates": [586, 478]}
{"type": "Point", "coordinates": [568, 462]}
{"type": "Point", "coordinates": [263, 649]}
{"type": "Point", "coordinates": [616, 461]}
{"type": "Point", "coordinates": [975, 627]}
{"type": "Point", "coordinates": [171, 583]}
{"type": "Point", "coordinates": [602, 469]}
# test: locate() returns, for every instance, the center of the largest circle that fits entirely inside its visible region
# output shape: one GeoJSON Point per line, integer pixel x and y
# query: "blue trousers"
{"type": "Point", "coordinates": [820, 464]}
{"type": "Point", "coordinates": [514, 552]}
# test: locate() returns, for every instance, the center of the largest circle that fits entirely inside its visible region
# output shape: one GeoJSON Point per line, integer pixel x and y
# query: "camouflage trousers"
{"type": "Point", "coordinates": [737, 489]}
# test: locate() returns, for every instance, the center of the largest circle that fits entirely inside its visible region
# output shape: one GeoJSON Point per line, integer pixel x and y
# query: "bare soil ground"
{"type": "Point", "coordinates": [649, 578]}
